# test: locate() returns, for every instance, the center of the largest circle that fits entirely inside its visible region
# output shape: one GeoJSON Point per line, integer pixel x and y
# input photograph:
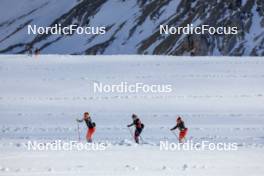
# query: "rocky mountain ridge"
{"type": "Point", "coordinates": [132, 26]}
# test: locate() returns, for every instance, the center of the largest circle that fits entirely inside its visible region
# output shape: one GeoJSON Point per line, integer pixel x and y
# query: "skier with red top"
{"type": "Point", "coordinates": [183, 130]}
{"type": "Point", "coordinates": [138, 127]}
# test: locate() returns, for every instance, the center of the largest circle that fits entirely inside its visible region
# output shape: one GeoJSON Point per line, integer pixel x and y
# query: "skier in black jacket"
{"type": "Point", "coordinates": [183, 130]}
{"type": "Point", "coordinates": [90, 124]}
{"type": "Point", "coordinates": [138, 125]}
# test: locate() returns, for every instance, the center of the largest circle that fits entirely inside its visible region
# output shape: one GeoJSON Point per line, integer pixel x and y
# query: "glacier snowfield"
{"type": "Point", "coordinates": [220, 99]}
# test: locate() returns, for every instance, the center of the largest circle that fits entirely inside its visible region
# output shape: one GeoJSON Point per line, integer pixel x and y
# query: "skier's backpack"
{"type": "Point", "coordinates": [142, 125]}
{"type": "Point", "coordinates": [94, 124]}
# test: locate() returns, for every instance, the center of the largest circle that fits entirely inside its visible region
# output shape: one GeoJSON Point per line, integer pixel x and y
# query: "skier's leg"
{"type": "Point", "coordinates": [90, 134]}
{"type": "Point", "coordinates": [139, 131]}
{"type": "Point", "coordinates": [185, 133]}
{"type": "Point", "coordinates": [182, 135]}
{"type": "Point", "coordinates": [136, 136]}
{"type": "Point", "coordinates": [87, 135]}
{"type": "Point", "coordinates": [139, 134]}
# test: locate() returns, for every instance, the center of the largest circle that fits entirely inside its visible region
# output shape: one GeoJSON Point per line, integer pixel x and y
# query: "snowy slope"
{"type": "Point", "coordinates": [133, 26]}
{"type": "Point", "coordinates": [221, 100]}
{"type": "Point", "coordinates": [52, 89]}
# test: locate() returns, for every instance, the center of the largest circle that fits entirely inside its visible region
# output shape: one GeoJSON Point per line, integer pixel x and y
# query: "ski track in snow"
{"type": "Point", "coordinates": [220, 100]}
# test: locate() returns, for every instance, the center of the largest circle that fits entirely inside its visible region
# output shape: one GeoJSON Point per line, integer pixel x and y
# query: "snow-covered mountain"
{"type": "Point", "coordinates": [133, 26]}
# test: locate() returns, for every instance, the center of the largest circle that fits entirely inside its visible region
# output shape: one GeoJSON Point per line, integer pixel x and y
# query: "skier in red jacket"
{"type": "Point", "coordinates": [138, 125]}
{"type": "Point", "coordinates": [183, 130]}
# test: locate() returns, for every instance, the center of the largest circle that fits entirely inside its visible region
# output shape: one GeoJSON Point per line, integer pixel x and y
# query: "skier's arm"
{"type": "Point", "coordinates": [174, 128]}
{"type": "Point", "coordinates": [130, 125]}
{"type": "Point", "coordinates": [79, 120]}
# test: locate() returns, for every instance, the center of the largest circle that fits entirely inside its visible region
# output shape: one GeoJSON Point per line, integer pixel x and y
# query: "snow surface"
{"type": "Point", "coordinates": [220, 99]}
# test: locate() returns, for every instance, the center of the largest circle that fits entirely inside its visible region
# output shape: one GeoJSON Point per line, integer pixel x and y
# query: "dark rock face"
{"type": "Point", "coordinates": [133, 27]}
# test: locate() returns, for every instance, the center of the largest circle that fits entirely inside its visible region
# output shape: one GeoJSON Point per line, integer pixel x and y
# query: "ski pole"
{"type": "Point", "coordinates": [131, 133]}
{"type": "Point", "coordinates": [175, 134]}
{"type": "Point", "coordinates": [141, 138]}
{"type": "Point", "coordinates": [78, 131]}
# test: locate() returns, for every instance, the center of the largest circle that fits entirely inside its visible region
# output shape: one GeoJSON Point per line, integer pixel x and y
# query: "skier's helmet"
{"type": "Point", "coordinates": [134, 116]}
{"type": "Point", "coordinates": [179, 118]}
{"type": "Point", "coordinates": [86, 114]}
